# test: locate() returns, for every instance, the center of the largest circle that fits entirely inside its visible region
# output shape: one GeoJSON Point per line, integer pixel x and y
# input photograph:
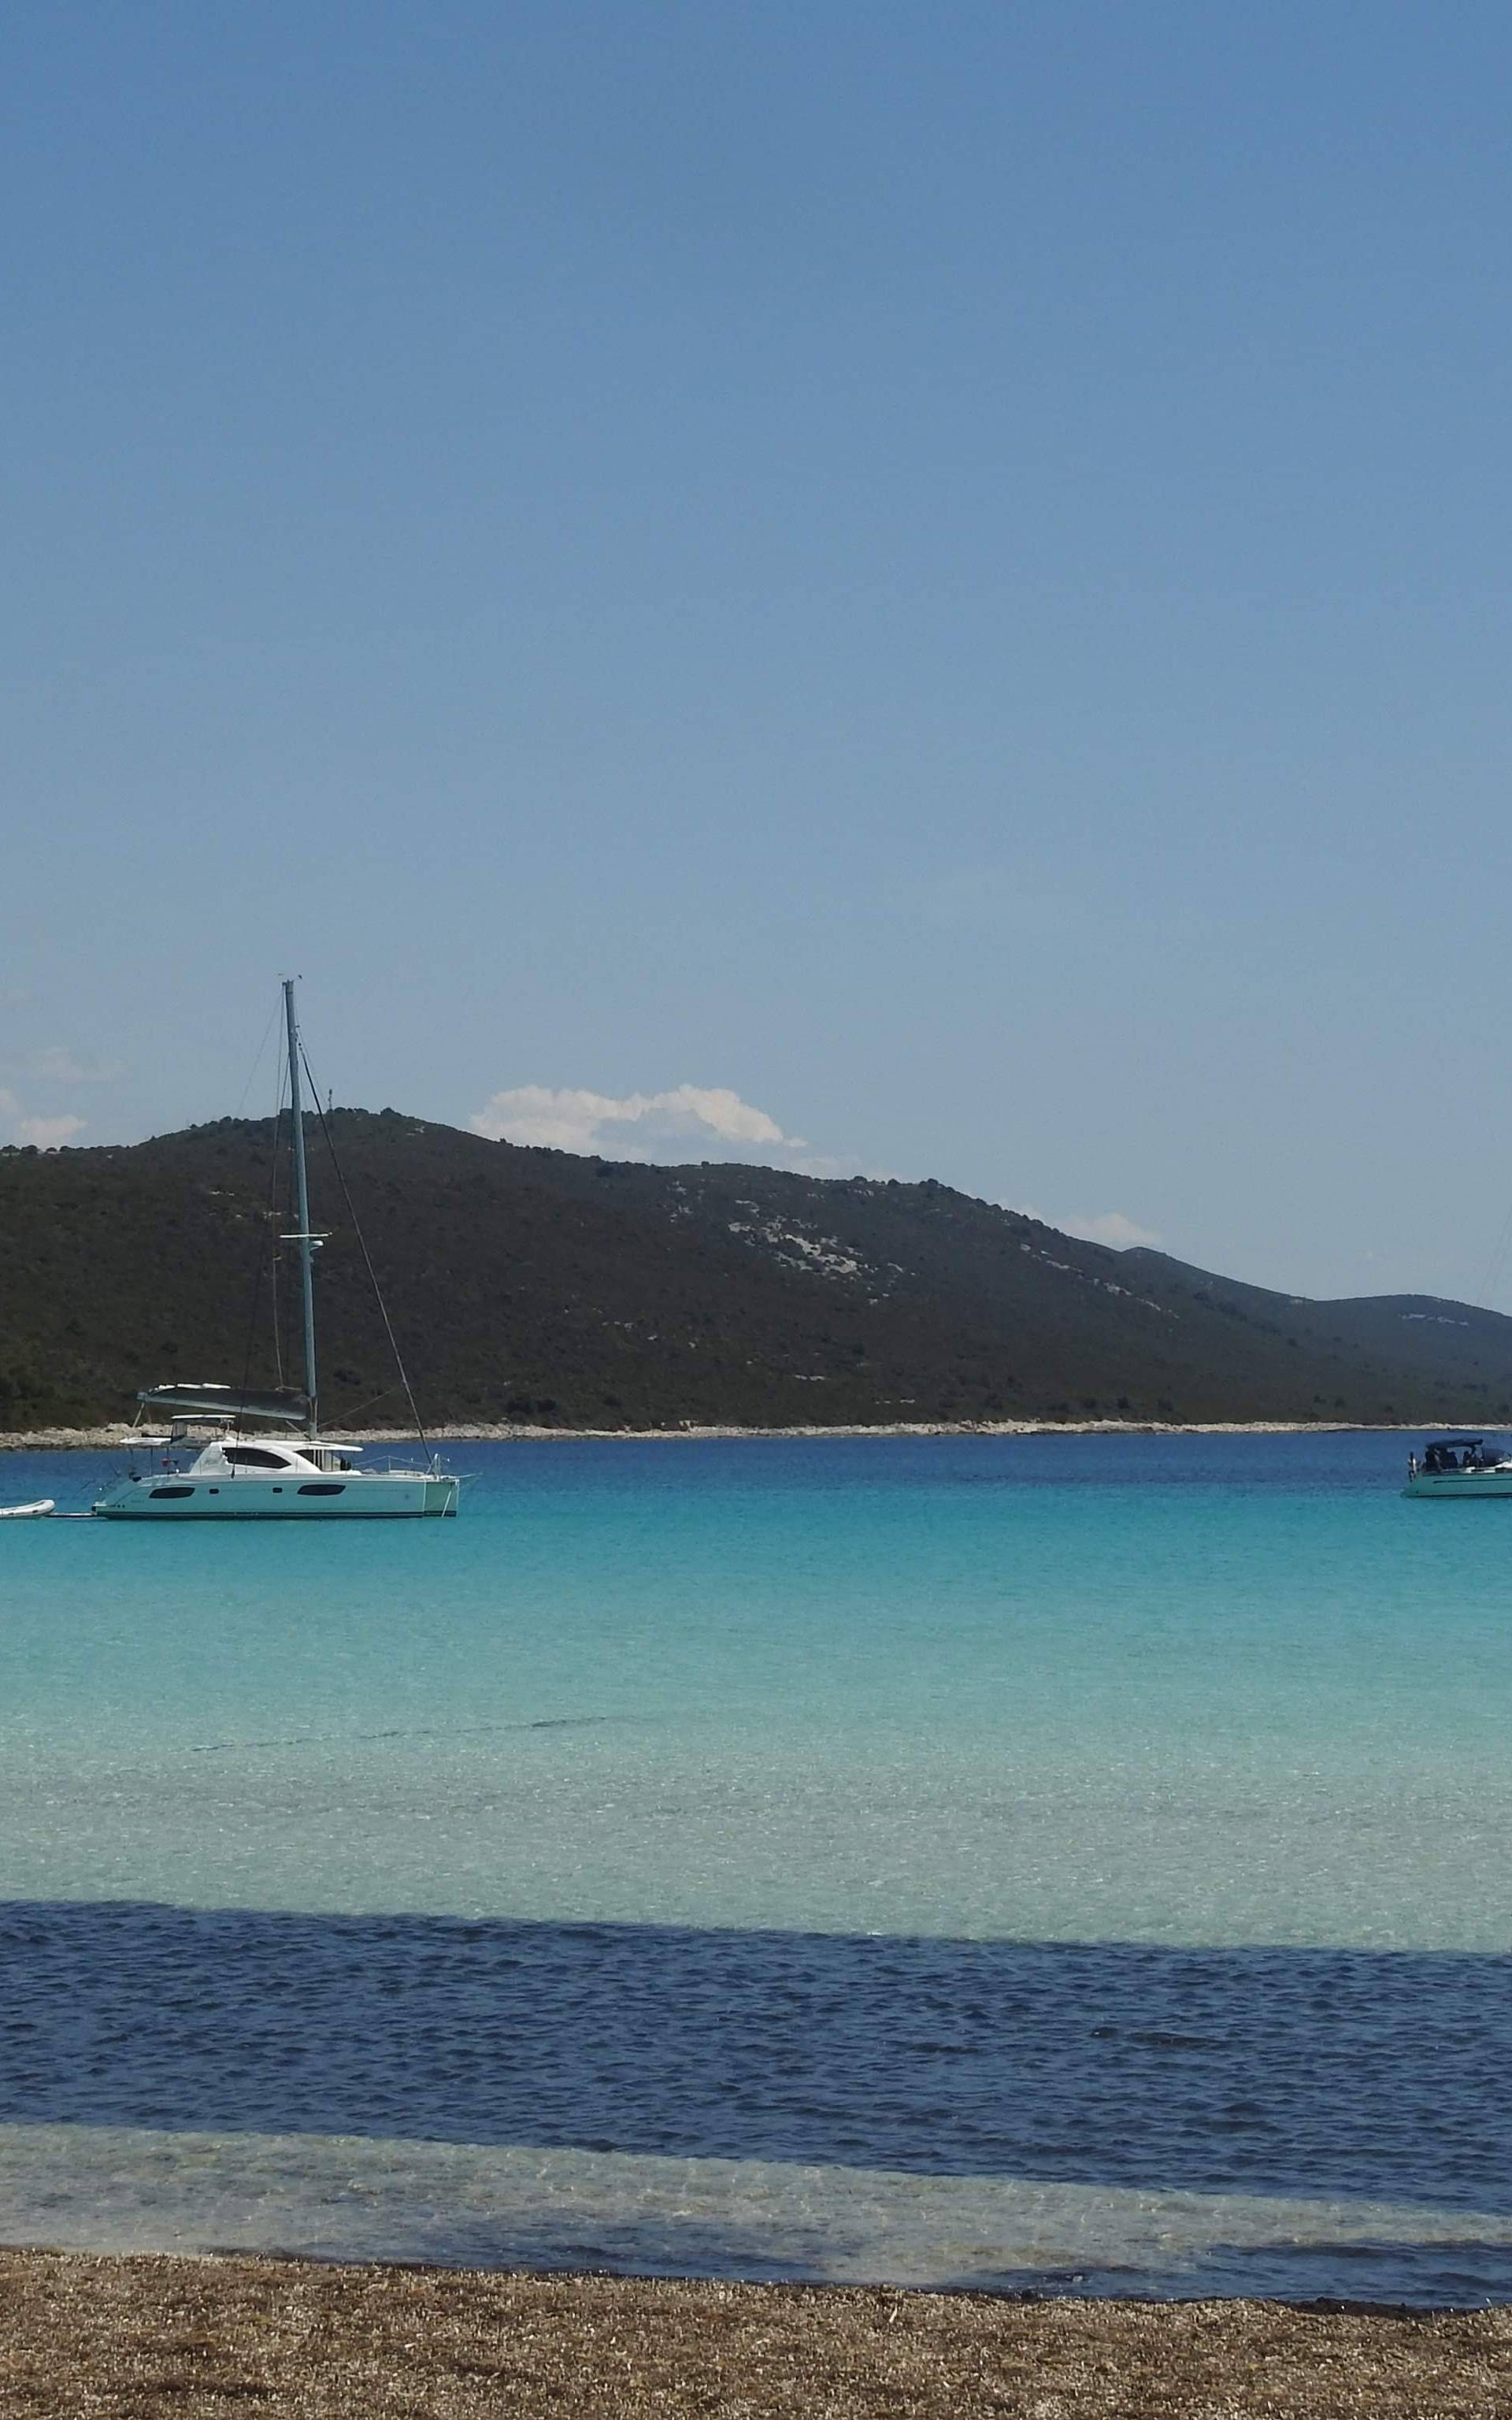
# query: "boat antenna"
{"type": "Point", "coordinates": [302, 1236]}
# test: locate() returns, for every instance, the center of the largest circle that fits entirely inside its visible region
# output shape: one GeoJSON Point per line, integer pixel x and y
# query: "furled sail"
{"type": "Point", "coordinates": [187, 1400]}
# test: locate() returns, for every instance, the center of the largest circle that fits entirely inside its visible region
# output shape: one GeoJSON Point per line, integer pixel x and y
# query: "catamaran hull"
{"type": "Point", "coordinates": [162, 1496]}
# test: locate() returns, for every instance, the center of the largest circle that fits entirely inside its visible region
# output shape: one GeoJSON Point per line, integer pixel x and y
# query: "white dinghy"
{"type": "Point", "coordinates": [28, 1512]}
{"type": "Point", "coordinates": [300, 1477]}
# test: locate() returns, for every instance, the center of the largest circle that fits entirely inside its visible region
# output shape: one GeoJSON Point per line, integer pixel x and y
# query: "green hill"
{"type": "Point", "coordinates": [535, 1285]}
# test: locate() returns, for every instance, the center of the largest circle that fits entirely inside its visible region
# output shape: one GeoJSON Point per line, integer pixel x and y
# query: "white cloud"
{"type": "Point", "coordinates": [574, 1120]}
{"type": "Point", "coordinates": [690, 1122]}
{"type": "Point", "coordinates": [1110, 1227]}
{"type": "Point", "coordinates": [47, 1133]}
{"type": "Point", "coordinates": [50, 1063]}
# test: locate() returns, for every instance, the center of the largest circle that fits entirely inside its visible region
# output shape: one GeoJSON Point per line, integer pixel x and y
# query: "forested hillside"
{"type": "Point", "coordinates": [534, 1285]}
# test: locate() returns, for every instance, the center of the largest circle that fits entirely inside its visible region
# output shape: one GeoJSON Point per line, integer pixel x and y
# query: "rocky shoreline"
{"type": "Point", "coordinates": [120, 1433]}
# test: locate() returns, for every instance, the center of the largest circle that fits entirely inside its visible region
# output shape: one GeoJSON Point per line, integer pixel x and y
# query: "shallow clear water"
{"type": "Point", "coordinates": [835, 1828]}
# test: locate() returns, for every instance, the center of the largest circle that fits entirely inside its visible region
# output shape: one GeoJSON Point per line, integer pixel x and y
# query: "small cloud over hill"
{"type": "Point", "coordinates": [46, 1066]}
{"type": "Point", "coordinates": [46, 1133]}
{"type": "Point", "coordinates": [686, 1122]}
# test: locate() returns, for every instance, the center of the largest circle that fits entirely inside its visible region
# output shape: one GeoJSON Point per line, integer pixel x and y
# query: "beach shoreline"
{"type": "Point", "coordinates": [161, 2333]}
{"type": "Point", "coordinates": [115, 1434]}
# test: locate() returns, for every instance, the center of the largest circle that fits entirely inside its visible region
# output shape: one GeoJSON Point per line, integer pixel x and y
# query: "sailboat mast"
{"type": "Point", "coordinates": [302, 1202]}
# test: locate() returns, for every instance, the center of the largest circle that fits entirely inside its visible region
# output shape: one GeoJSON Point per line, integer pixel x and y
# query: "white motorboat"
{"type": "Point", "coordinates": [1460, 1465]}
{"type": "Point", "coordinates": [299, 1477]}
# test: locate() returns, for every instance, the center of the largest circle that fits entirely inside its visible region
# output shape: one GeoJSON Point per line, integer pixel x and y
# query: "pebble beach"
{"type": "Point", "coordinates": [136, 2337]}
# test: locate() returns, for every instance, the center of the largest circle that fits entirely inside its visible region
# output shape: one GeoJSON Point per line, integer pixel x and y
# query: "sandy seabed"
{"type": "Point", "coordinates": [84, 2334]}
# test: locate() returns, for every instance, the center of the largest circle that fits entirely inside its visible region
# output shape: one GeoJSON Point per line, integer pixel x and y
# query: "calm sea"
{"type": "Point", "coordinates": [1074, 1862]}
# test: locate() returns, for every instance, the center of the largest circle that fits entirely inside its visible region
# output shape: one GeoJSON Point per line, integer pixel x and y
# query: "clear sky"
{"type": "Point", "coordinates": [910, 587]}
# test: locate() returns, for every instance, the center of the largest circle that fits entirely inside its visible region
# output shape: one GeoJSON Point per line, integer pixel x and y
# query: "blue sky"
{"type": "Point", "coordinates": [917, 589]}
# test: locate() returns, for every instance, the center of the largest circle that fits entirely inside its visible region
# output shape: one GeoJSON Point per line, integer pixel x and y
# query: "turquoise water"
{"type": "Point", "coordinates": [1057, 1698]}
{"type": "Point", "coordinates": [1205, 1691]}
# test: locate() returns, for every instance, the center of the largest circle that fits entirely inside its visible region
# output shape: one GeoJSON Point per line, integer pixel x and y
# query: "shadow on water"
{"type": "Point", "coordinates": [1380, 2075]}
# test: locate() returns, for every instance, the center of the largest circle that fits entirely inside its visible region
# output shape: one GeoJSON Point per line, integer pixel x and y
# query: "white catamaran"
{"type": "Point", "coordinates": [295, 1478]}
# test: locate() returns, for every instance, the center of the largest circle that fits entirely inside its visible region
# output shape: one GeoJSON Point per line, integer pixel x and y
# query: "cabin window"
{"type": "Point", "coordinates": [255, 1457]}
{"type": "Point", "coordinates": [173, 1491]}
{"type": "Point", "coordinates": [315, 1488]}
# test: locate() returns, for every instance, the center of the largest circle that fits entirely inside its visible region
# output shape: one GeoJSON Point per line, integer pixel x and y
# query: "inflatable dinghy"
{"type": "Point", "coordinates": [27, 1512]}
